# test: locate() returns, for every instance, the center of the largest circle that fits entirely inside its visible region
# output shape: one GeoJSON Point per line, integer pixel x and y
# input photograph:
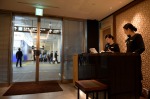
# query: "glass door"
{"type": "Point", "coordinates": [39, 39]}
{"type": "Point", "coordinates": [50, 48]}
{"type": "Point", "coordinates": [24, 30]}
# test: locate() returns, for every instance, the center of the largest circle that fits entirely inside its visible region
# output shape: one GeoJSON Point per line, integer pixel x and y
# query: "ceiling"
{"type": "Point", "coordinates": [82, 9]}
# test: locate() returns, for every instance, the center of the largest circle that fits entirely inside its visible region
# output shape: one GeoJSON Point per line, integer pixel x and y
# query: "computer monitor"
{"type": "Point", "coordinates": [93, 50]}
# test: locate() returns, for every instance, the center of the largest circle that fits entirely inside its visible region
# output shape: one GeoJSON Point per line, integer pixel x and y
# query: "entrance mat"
{"type": "Point", "coordinates": [32, 88]}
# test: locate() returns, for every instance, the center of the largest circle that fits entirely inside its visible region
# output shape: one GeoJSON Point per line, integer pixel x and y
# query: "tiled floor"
{"type": "Point", "coordinates": [47, 71]}
{"type": "Point", "coordinates": [26, 73]}
{"type": "Point", "coordinates": [69, 92]}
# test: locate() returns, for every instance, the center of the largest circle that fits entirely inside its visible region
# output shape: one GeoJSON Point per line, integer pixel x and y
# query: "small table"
{"type": "Point", "coordinates": [91, 86]}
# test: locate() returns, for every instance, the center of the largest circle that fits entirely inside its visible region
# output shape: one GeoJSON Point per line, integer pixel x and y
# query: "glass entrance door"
{"type": "Point", "coordinates": [24, 28]}
{"type": "Point", "coordinates": [50, 48]}
{"type": "Point", "coordinates": [42, 67]}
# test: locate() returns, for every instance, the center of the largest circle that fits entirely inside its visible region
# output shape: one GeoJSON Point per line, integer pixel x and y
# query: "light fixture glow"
{"type": "Point", "coordinates": [39, 12]}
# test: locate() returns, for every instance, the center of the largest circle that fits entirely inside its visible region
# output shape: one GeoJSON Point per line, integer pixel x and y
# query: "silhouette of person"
{"type": "Point", "coordinates": [51, 57]}
{"type": "Point", "coordinates": [48, 57]}
{"type": "Point", "coordinates": [55, 55]}
{"type": "Point", "coordinates": [19, 57]}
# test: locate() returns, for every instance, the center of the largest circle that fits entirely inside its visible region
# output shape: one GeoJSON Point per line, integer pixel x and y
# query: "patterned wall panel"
{"type": "Point", "coordinates": [5, 23]}
{"type": "Point", "coordinates": [139, 16]}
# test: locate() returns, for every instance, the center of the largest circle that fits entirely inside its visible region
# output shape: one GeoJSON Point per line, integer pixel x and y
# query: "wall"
{"type": "Point", "coordinates": [138, 15]}
{"type": "Point", "coordinates": [106, 27]}
{"type": "Point", "coordinates": [92, 34]}
{"type": "Point", "coordinates": [5, 47]}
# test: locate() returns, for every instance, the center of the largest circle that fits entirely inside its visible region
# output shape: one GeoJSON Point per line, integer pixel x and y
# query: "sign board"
{"type": "Point", "coordinates": [39, 12]}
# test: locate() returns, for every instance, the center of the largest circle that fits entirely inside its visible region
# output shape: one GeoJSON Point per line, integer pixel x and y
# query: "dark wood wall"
{"type": "Point", "coordinates": [92, 34]}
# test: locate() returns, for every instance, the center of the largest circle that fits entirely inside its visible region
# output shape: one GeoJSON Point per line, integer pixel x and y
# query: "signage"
{"type": "Point", "coordinates": [39, 12]}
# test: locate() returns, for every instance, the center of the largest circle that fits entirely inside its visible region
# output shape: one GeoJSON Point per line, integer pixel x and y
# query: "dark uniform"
{"type": "Point", "coordinates": [114, 47]}
{"type": "Point", "coordinates": [51, 56]}
{"type": "Point", "coordinates": [19, 57]}
{"type": "Point", "coordinates": [135, 44]}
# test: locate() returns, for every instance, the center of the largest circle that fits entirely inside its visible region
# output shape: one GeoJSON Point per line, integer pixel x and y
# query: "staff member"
{"type": "Point", "coordinates": [134, 44]}
{"type": "Point", "coordinates": [111, 46]}
{"type": "Point", "coordinates": [134, 41]}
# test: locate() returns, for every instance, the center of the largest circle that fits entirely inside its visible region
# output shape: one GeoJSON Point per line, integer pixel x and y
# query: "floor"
{"type": "Point", "coordinates": [26, 73]}
{"type": "Point", "coordinates": [69, 92]}
{"type": "Point", "coordinates": [47, 71]}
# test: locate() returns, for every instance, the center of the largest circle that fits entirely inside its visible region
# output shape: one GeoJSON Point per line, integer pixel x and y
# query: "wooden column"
{"type": "Point", "coordinates": [75, 68]}
{"type": "Point", "coordinates": [37, 50]}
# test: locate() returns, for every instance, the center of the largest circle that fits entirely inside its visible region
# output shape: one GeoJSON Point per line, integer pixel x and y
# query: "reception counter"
{"type": "Point", "coordinates": [120, 71]}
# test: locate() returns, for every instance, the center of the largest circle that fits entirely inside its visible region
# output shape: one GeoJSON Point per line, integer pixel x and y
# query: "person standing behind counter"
{"type": "Point", "coordinates": [135, 44]}
{"type": "Point", "coordinates": [111, 46]}
{"type": "Point", "coordinates": [134, 41]}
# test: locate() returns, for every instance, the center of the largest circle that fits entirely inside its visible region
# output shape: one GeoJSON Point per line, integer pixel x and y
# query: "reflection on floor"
{"type": "Point", "coordinates": [25, 73]}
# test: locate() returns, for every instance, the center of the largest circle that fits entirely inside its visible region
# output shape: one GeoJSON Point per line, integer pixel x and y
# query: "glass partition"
{"type": "Point", "coordinates": [73, 43]}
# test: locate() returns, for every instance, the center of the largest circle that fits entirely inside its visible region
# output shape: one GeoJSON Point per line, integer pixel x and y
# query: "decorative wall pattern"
{"type": "Point", "coordinates": [139, 16]}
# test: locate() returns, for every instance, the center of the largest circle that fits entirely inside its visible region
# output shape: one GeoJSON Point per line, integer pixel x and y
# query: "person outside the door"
{"type": "Point", "coordinates": [19, 57]}
{"type": "Point", "coordinates": [51, 57]}
{"type": "Point", "coordinates": [55, 55]}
